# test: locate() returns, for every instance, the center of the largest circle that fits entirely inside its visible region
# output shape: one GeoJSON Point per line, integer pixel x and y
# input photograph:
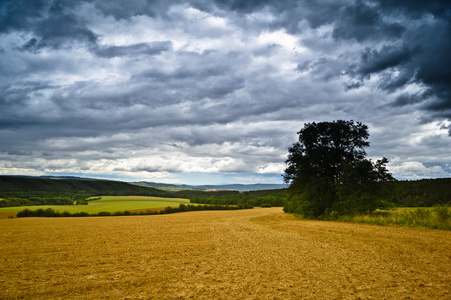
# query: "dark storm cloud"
{"type": "Point", "coordinates": [374, 61]}
{"type": "Point", "coordinates": [407, 99]}
{"type": "Point", "coordinates": [415, 38]}
{"type": "Point", "coordinates": [418, 50]}
{"type": "Point", "coordinates": [210, 74]}
{"type": "Point", "coordinates": [17, 95]}
{"type": "Point", "coordinates": [136, 49]}
{"type": "Point", "coordinates": [19, 153]}
{"type": "Point", "coordinates": [417, 60]}
{"type": "Point", "coordinates": [420, 53]}
{"type": "Point", "coordinates": [62, 28]}
{"type": "Point", "coordinates": [50, 22]}
{"type": "Point", "coordinates": [417, 8]}
{"type": "Point", "coordinates": [427, 64]}
{"type": "Point", "coordinates": [119, 10]}
{"type": "Point", "coordinates": [215, 85]}
{"type": "Point", "coordinates": [193, 67]}
{"type": "Point", "coordinates": [362, 22]}
{"type": "Point", "coordinates": [19, 14]}
{"type": "Point", "coordinates": [243, 6]}
{"type": "Point", "coordinates": [13, 102]}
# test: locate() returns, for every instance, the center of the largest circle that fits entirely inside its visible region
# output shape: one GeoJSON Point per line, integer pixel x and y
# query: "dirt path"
{"type": "Point", "coordinates": [250, 254]}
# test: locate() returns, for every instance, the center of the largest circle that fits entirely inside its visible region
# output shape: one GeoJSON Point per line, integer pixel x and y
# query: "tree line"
{"type": "Point", "coordinates": [51, 213]}
{"type": "Point", "coordinates": [265, 198]}
{"type": "Point", "coordinates": [403, 193]}
{"type": "Point", "coordinates": [420, 193]}
{"type": "Point", "coordinates": [33, 201]}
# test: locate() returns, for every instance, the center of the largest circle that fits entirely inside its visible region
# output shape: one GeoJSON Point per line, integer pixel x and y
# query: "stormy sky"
{"type": "Point", "coordinates": [207, 91]}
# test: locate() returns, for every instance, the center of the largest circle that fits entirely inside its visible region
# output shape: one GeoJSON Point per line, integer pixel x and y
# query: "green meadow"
{"type": "Point", "coordinates": [108, 203]}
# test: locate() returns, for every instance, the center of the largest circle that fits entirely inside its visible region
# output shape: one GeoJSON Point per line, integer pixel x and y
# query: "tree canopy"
{"type": "Point", "coordinates": [328, 170]}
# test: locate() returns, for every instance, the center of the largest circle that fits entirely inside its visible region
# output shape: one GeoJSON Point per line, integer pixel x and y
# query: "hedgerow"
{"type": "Point", "coordinates": [49, 212]}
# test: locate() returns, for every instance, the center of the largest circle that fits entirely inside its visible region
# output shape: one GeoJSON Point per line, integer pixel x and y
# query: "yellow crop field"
{"type": "Point", "coordinates": [247, 254]}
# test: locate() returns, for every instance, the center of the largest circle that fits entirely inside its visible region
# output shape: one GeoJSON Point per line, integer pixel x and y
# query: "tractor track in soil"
{"type": "Point", "coordinates": [246, 254]}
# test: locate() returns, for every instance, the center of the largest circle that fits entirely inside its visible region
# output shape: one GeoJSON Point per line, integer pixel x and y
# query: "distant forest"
{"type": "Point", "coordinates": [264, 198]}
{"type": "Point", "coordinates": [424, 192]}
{"type": "Point", "coordinates": [415, 193]}
{"type": "Point", "coordinates": [20, 191]}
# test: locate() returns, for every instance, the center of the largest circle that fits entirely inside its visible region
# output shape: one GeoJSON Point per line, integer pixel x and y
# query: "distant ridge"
{"type": "Point", "coordinates": [28, 183]}
{"type": "Point", "coordinates": [222, 187]}
{"type": "Point", "coordinates": [57, 177]}
{"type": "Point", "coordinates": [14, 186]}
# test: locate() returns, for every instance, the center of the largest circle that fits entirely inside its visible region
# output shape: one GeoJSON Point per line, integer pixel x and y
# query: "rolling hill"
{"type": "Point", "coordinates": [229, 187]}
{"type": "Point", "coordinates": [19, 186]}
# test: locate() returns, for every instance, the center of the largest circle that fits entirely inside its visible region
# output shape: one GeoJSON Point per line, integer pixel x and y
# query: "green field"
{"type": "Point", "coordinates": [108, 203]}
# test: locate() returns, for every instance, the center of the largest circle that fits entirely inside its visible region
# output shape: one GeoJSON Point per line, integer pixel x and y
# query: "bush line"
{"type": "Point", "coordinates": [49, 212]}
{"type": "Point", "coordinates": [437, 218]}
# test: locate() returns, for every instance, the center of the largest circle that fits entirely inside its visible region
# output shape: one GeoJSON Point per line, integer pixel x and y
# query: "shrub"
{"type": "Point", "coordinates": [80, 214]}
{"type": "Point", "coordinates": [167, 210]}
{"type": "Point", "coordinates": [442, 211]}
{"type": "Point", "coordinates": [421, 213]}
{"type": "Point", "coordinates": [39, 212]}
{"type": "Point", "coordinates": [334, 215]}
{"type": "Point", "coordinates": [26, 213]}
{"type": "Point", "coordinates": [104, 213]}
{"type": "Point", "coordinates": [265, 205]}
{"type": "Point", "coordinates": [49, 212]}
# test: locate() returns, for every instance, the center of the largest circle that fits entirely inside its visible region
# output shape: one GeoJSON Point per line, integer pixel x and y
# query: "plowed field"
{"type": "Point", "coordinates": [248, 254]}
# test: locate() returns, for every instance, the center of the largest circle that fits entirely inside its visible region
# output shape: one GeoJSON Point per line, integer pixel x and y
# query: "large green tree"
{"type": "Point", "coordinates": [328, 170]}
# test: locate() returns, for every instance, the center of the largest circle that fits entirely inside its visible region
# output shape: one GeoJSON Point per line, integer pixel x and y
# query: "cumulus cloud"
{"type": "Point", "coordinates": [415, 170]}
{"type": "Point", "coordinates": [166, 88]}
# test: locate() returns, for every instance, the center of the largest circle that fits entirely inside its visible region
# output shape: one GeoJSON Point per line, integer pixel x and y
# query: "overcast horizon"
{"type": "Point", "coordinates": [214, 92]}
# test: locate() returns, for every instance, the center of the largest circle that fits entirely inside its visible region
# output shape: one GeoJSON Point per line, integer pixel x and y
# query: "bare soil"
{"type": "Point", "coordinates": [246, 254]}
{"type": "Point", "coordinates": [6, 214]}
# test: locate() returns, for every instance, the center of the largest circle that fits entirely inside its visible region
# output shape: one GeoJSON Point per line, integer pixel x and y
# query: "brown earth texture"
{"type": "Point", "coordinates": [247, 254]}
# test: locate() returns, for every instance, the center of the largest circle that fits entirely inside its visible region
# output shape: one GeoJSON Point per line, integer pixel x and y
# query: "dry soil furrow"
{"type": "Point", "coordinates": [249, 254]}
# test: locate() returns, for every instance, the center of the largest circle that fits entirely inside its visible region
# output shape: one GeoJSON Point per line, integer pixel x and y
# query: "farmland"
{"type": "Point", "coordinates": [107, 203]}
{"type": "Point", "coordinates": [248, 254]}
